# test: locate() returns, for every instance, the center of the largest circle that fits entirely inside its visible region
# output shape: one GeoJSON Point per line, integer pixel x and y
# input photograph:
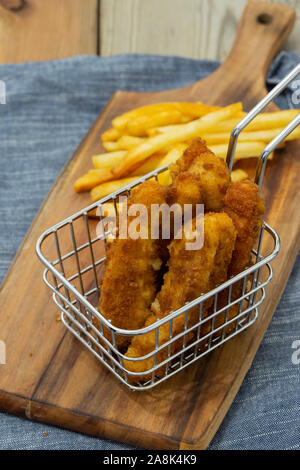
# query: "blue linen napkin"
{"type": "Point", "coordinates": [49, 108]}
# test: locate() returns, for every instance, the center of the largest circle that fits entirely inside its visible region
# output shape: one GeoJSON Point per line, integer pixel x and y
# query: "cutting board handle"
{"type": "Point", "coordinates": [262, 30]}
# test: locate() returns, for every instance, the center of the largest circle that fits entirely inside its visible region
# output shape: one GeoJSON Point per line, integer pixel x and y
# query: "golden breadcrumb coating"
{"type": "Point", "coordinates": [245, 207]}
{"type": "Point", "coordinates": [191, 273]}
{"type": "Point", "coordinates": [130, 279]}
{"type": "Point", "coordinates": [185, 189]}
{"type": "Point", "coordinates": [212, 174]}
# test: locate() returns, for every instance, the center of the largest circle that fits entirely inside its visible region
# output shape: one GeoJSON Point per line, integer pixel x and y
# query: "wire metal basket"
{"type": "Point", "coordinates": [73, 252]}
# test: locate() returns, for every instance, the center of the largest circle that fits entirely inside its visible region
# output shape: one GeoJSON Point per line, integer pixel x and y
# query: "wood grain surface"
{"type": "Point", "coordinates": [45, 30]}
{"type": "Point", "coordinates": [201, 29]}
{"type": "Point", "coordinates": [51, 377]}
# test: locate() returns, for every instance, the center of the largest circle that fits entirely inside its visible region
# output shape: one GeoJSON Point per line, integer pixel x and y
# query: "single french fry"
{"type": "Point", "coordinates": [109, 187]}
{"type": "Point", "coordinates": [265, 135]}
{"type": "Point", "coordinates": [173, 154]}
{"type": "Point", "coordinates": [166, 114]}
{"type": "Point", "coordinates": [111, 146]}
{"type": "Point", "coordinates": [110, 135]}
{"type": "Point", "coordinates": [139, 125]}
{"type": "Point", "coordinates": [120, 122]}
{"type": "Point", "coordinates": [157, 143]}
{"type": "Point", "coordinates": [161, 130]}
{"type": "Point", "coordinates": [152, 163]}
{"type": "Point", "coordinates": [214, 139]}
{"type": "Point", "coordinates": [238, 175]}
{"type": "Point", "coordinates": [243, 150]}
{"type": "Point", "coordinates": [195, 110]}
{"type": "Point", "coordinates": [228, 127]}
{"type": "Point", "coordinates": [268, 134]}
{"type": "Point", "coordinates": [156, 161]}
{"type": "Point", "coordinates": [108, 160]}
{"type": "Point", "coordinates": [171, 157]}
{"type": "Point", "coordinates": [95, 171]}
{"type": "Point", "coordinates": [127, 142]}
{"type": "Point", "coordinates": [90, 180]}
{"type": "Point", "coordinates": [188, 109]}
{"type": "Point", "coordinates": [275, 120]}
{"type": "Point", "coordinates": [278, 119]}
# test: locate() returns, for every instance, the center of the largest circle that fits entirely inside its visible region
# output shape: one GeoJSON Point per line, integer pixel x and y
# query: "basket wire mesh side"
{"type": "Point", "coordinates": [73, 252]}
{"type": "Point", "coordinates": [73, 275]}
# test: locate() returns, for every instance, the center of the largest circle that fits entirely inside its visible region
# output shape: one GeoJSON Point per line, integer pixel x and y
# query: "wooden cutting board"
{"type": "Point", "coordinates": [51, 377]}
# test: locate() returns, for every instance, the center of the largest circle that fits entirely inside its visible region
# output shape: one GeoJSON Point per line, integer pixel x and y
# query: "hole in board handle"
{"type": "Point", "coordinates": [13, 5]}
{"type": "Point", "coordinates": [264, 18]}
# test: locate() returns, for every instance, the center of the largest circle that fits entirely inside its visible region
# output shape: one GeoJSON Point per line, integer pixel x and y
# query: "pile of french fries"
{"type": "Point", "coordinates": [150, 137]}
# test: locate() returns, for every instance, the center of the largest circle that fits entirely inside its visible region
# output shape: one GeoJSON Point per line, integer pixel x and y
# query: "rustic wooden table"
{"type": "Point", "coordinates": [43, 30]}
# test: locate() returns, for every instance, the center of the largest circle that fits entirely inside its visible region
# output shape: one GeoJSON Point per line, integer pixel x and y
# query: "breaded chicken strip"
{"type": "Point", "coordinates": [211, 176]}
{"type": "Point", "coordinates": [130, 279]}
{"type": "Point", "coordinates": [191, 273]}
{"type": "Point", "coordinates": [198, 177]}
{"type": "Point", "coordinates": [245, 207]}
{"type": "Point", "coordinates": [186, 188]}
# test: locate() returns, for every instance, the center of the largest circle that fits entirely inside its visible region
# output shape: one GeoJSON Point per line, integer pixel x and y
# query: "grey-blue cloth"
{"type": "Point", "coordinates": [49, 107]}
